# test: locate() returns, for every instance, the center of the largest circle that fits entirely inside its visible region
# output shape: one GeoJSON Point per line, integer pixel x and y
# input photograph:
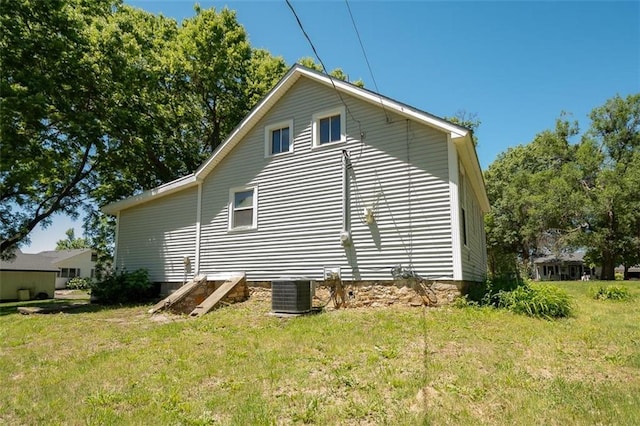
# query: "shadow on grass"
{"type": "Point", "coordinates": [54, 306]}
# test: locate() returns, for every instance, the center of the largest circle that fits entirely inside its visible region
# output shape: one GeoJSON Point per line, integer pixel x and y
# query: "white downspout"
{"type": "Point", "coordinates": [345, 234]}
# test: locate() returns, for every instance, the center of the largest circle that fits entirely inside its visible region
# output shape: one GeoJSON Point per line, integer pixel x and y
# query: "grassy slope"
{"type": "Point", "coordinates": [237, 365]}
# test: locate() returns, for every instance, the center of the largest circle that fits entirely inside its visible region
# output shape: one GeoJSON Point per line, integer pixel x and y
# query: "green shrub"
{"type": "Point", "coordinates": [464, 302]}
{"type": "Point", "coordinates": [487, 292]}
{"type": "Point", "coordinates": [78, 283]}
{"type": "Point", "coordinates": [124, 287]}
{"type": "Point", "coordinates": [619, 276]}
{"type": "Point", "coordinates": [612, 292]}
{"type": "Point", "coordinates": [536, 300]}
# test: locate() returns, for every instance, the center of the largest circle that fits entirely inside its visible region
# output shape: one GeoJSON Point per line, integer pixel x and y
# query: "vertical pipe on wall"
{"type": "Point", "coordinates": [345, 234]}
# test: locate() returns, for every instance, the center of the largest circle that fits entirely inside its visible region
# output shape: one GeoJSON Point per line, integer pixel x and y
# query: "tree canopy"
{"type": "Point", "coordinates": [100, 100]}
{"type": "Point", "coordinates": [553, 195]}
{"type": "Point", "coordinates": [71, 242]}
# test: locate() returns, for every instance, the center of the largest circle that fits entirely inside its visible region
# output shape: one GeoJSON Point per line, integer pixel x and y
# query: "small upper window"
{"type": "Point", "coordinates": [243, 208]}
{"type": "Point", "coordinates": [278, 138]}
{"type": "Point", "coordinates": [328, 127]}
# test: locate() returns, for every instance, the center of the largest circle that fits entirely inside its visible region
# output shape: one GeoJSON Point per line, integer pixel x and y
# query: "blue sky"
{"type": "Point", "coordinates": [515, 64]}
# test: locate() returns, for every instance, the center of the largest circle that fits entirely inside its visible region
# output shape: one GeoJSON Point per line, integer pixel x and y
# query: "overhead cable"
{"type": "Point", "coordinates": [315, 52]}
{"type": "Point", "coordinates": [364, 53]}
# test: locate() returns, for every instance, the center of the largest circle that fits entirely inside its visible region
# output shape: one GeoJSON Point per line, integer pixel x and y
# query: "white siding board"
{"type": "Point", "coordinates": [300, 197]}
{"type": "Point", "coordinates": [158, 235]}
{"type": "Point", "coordinates": [474, 264]}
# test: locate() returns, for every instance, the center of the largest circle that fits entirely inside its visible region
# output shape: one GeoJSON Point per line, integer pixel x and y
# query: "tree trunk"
{"type": "Point", "coordinates": [608, 266]}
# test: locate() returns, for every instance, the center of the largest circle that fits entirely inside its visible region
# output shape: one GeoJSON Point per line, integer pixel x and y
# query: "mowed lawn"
{"type": "Point", "coordinates": [238, 365]}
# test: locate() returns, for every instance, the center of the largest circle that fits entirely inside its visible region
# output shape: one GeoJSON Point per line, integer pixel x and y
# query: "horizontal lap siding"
{"type": "Point", "coordinates": [412, 225]}
{"type": "Point", "coordinates": [300, 197]}
{"type": "Point", "coordinates": [158, 236]}
{"type": "Point", "coordinates": [474, 262]}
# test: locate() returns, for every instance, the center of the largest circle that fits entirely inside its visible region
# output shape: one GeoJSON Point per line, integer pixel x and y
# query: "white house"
{"type": "Point", "coordinates": [564, 266]}
{"type": "Point", "coordinates": [72, 263]}
{"type": "Point", "coordinates": [320, 176]}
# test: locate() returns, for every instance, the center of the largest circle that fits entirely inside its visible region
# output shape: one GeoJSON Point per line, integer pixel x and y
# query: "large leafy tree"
{"type": "Point", "coordinates": [526, 189]}
{"type": "Point", "coordinates": [54, 108]}
{"type": "Point", "coordinates": [608, 163]}
{"type": "Point", "coordinates": [101, 100]}
{"type": "Point", "coordinates": [552, 195]}
{"type": "Point", "coordinates": [212, 59]}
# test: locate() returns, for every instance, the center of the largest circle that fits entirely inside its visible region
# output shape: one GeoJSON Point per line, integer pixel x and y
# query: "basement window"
{"type": "Point", "coordinates": [243, 208]}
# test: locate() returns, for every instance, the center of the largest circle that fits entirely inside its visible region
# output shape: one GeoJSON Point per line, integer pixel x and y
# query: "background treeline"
{"type": "Point", "coordinates": [564, 191]}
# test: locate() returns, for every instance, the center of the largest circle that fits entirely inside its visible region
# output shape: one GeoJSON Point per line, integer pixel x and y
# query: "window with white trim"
{"type": "Point", "coordinates": [279, 138]}
{"type": "Point", "coordinates": [69, 272]}
{"type": "Point", "coordinates": [329, 127]}
{"type": "Point", "coordinates": [243, 208]}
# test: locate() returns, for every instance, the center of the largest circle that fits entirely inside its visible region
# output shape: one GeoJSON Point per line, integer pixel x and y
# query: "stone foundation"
{"type": "Point", "coordinates": [379, 293]}
{"type": "Point", "coordinates": [240, 293]}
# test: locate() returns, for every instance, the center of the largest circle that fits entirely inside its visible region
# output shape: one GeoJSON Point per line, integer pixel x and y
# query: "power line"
{"type": "Point", "coordinates": [364, 53]}
{"type": "Point", "coordinates": [315, 52]}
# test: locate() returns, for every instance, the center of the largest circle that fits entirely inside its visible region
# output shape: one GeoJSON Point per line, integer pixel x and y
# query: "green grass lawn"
{"type": "Point", "coordinates": [237, 365]}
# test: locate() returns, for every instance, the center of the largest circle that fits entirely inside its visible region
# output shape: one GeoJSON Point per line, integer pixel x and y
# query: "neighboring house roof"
{"type": "Point", "coordinates": [28, 262]}
{"type": "Point", "coordinates": [56, 256]}
{"type": "Point", "coordinates": [620, 268]}
{"type": "Point", "coordinates": [460, 136]}
{"type": "Point", "coordinates": [564, 257]}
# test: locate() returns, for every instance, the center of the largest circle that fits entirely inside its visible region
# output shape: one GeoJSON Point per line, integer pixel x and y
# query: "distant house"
{"type": "Point", "coordinates": [72, 263]}
{"type": "Point", "coordinates": [320, 176]}
{"type": "Point", "coordinates": [566, 266]}
{"type": "Point", "coordinates": [633, 273]}
{"type": "Point", "coordinates": [27, 276]}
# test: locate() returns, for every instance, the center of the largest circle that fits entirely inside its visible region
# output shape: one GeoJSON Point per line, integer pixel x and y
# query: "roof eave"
{"type": "Point", "coordinates": [456, 132]}
{"type": "Point", "coordinates": [469, 158]}
{"type": "Point", "coordinates": [162, 190]}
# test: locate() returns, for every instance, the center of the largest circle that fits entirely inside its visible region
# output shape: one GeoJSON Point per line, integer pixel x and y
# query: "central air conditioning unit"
{"type": "Point", "coordinates": [291, 295]}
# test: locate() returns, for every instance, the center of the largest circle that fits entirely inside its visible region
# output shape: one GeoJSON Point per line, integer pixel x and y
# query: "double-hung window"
{"type": "Point", "coordinates": [329, 127]}
{"type": "Point", "coordinates": [243, 208]}
{"type": "Point", "coordinates": [278, 138]}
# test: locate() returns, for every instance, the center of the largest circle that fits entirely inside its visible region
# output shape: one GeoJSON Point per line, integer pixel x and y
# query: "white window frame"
{"type": "Point", "coordinates": [326, 114]}
{"type": "Point", "coordinates": [232, 209]}
{"type": "Point", "coordinates": [268, 130]}
{"type": "Point", "coordinates": [68, 272]}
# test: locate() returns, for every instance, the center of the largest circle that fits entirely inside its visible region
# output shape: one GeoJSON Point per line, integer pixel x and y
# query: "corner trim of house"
{"type": "Point", "coordinates": [198, 228]}
{"type": "Point", "coordinates": [456, 249]}
{"type": "Point", "coordinates": [115, 242]}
